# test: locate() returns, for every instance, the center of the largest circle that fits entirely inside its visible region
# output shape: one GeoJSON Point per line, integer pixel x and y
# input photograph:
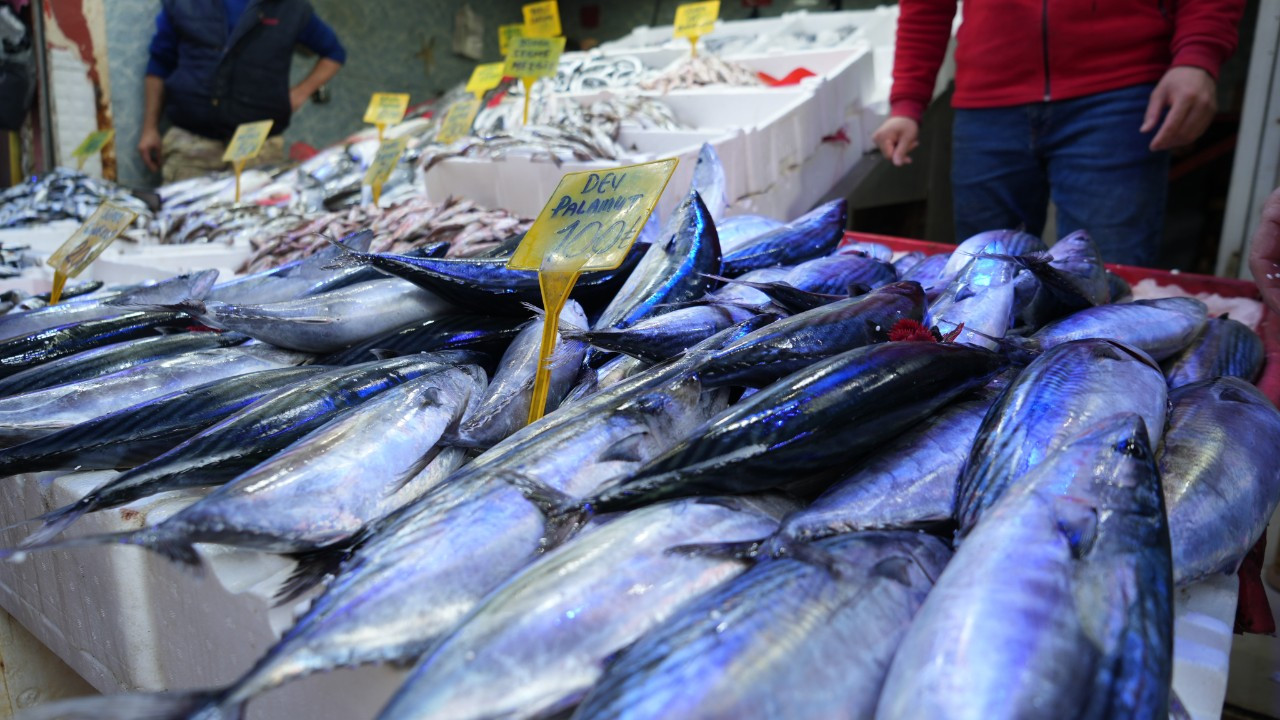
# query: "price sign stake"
{"type": "Point", "coordinates": [86, 244]}
{"type": "Point", "coordinates": [384, 162]}
{"type": "Point", "coordinates": [385, 110]}
{"type": "Point", "coordinates": [245, 145]}
{"type": "Point", "coordinates": [531, 58]}
{"type": "Point", "coordinates": [694, 20]}
{"type": "Point", "coordinates": [91, 146]}
{"type": "Point", "coordinates": [589, 223]}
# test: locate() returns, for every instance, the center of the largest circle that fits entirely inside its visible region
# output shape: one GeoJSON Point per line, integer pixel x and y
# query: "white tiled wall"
{"type": "Point", "coordinates": [74, 109]}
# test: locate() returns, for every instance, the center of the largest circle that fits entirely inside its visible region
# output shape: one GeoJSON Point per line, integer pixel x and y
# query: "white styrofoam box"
{"type": "Point", "coordinates": [43, 239]}
{"type": "Point", "coordinates": [642, 37]}
{"type": "Point", "coordinates": [126, 619]}
{"type": "Point", "coordinates": [1203, 619]}
{"type": "Point", "coordinates": [140, 263]}
{"type": "Point", "coordinates": [874, 26]}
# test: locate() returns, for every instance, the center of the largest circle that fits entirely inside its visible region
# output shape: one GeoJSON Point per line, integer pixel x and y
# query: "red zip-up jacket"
{"type": "Point", "coordinates": [1012, 52]}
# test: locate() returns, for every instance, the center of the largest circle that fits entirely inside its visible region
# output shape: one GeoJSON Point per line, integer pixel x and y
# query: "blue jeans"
{"type": "Point", "coordinates": [1085, 153]}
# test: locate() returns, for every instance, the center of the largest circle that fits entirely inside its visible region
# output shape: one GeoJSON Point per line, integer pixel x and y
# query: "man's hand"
{"type": "Point", "coordinates": [150, 148]}
{"type": "Point", "coordinates": [1191, 96]}
{"type": "Point", "coordinates": [298, 97]}
{"type": "Point", "coordinates": [897, 137]}
{"type": "Point", "coordinates": [1264, 257]}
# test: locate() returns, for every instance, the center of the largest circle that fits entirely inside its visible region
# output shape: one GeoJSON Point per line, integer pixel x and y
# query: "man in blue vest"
{"type": "Point", "coordinates": [218, 63]}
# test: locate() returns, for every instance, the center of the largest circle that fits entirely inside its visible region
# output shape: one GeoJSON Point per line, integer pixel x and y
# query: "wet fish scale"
{"type": "Point", "coordinates": [22, 353]}
{"type": "Point", "coordinates": [1226, 347]}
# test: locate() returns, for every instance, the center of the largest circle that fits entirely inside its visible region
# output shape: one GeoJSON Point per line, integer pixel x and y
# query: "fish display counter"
{"type": "Point", "coordinates": [781, 470]}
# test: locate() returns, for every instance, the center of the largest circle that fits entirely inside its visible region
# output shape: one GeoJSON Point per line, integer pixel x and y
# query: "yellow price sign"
{"type": "Point", "coordinates": [694, 20]}
{"type": "Point", "coordinates": [386, 109]}
{"type": "Point", "coordinates": [542, 19]}
{"type": "Point", "coordinates": [506, 34]}
{"type": "Point", "coordinates": [384, 162]}
{"type": "Point", "coordinates": [590, 223]}
{"type": "Point", "coordinates": [485, 78]}
{"type": "Point", "coordinates": [92, 145]}
{"type": "Point", "coordinates": [531, 58]}
{"type": "Point", "coordinates": [458, 119]}
{"type": "Point", "coordinates": [247, 142]}
{"type": "Point", "coordinates": [87, 243]}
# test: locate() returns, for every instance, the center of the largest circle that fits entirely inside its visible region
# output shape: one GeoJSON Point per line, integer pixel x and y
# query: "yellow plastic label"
{"type": "Point", "coordinates": [592, 218]}
{"type": "Point", "coordinates": [507, 34]}
{"type": "Point", "coordinates": [90, 239]}
{"type": "Point", "coordinates": [458, 119]}
{"type": "Point", "coordinates": [386, 109]}
{"type": "Point", "coordinates": [590, 223]}
{"type": "Point", "coordinates": [693, 20]}
{"type": "Point", "coordinates": [384, 161]}
{"type": "Point", "coordinates": [247, 141]}
{"type": "Point", "coordinates": [92, 145]}
{"type": "Point", "coordinates": [485, 78]}
{"type": "Point", "coordinates": [534, 57]}
{"type": "Point", "coordinates": [542, 19]}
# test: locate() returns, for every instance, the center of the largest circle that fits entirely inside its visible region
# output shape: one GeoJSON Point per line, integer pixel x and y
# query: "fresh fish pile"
{"type": "Point", "coordinates": [64, 194]}
{"type": "Point", "coordinates": [742, 500]}
{"type": "Point", "coordinates": [706, 68]}
{"type": "Point", "coordinates": [595, 72]}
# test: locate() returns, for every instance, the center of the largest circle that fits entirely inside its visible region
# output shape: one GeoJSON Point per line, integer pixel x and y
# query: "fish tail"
{"type": "Point", "coordinates": [201, 704]}
{"type": "Point", "coordinates": [54, 522]}
{"type": "Point", "coordinates": [745, 550]}
{"type": "Point", "coordinates": [191, 306]}
{"type": "Point", "coordinates": [312, 569]}
{"type": "Point", "coordinates": [565, 515]}
{"type": "Point", "coordinates": [177, 549]}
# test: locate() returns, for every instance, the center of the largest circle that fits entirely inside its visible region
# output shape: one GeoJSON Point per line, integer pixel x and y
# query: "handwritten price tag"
{"type": "Point", "coordinates": [247, 142]}
{"type": "Point", "coordinates": [693, 20]}
{"type": "Point", "coordinates": [384, 162]}
{"type": "Point", "coordinates": [458, 120]}
{"type": "Point", "coordinates": [485, 78]}
{"type": "Point", "coordinates": [92, 145]}
{"type": "Point", "coordinates": [542, 19]}
{"type": "Point", "coordinates": [87, 243]}
{"type": "Point", "coordinates": [506, 34]}
{"type": "Point", "coordinates": [590, 223]}
{"type": "Point", "coordinates": [386, 109]}
{"type": "Point", "coordinates": [532, 57]}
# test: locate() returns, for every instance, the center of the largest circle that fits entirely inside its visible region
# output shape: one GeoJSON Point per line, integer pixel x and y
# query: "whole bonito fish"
{"type": "Point", "coordinates": [176, 289]}
{"type": "Point", "coordinates": [241, 441]}
{"type": "Point", "coordinates": [128, 437]}
{"type": "Point", "coordinates": [296, 279]}
{"type": "Point", "coordinates": [323, 489]}
{"type": "Point", "coordinates": [487, 285]}
{"type": "Point", "coordinates": [43, 346]}
{"type": "Point", "coordinates": [539, 642]}
{"type": "Point", "coordinates": [1221, 478]}
{"type": "Point", "coordinates": [811, 422]}
{"type": "Point", "coordinates": [329, 321]}
{"type": "Point", "coordinates": [980, 298]}
{"type": "Point", "coordinates": [796, 342]}
{"type": "Point", "coordinates": [722, 654]}
{"type": "Point", "coordinates": [505, 407]}
{"type": "Point", "coordinates": [1226, 347]}
{"type": "Point", "coordinates": [31, 415]}
{"type": "Point", "coordinates": [1071, 277]}
{"type": "Point", "coordinates": [481, 333]}
{"type": "Point", "coordinates": [911, 482]}
{"type": "Point", "coordinates": [113, 358]}
{"type": "Point", "coordinates": [1064, 590]}
{"type": "Point", "coordinates": [1014, 242]}
{"type": "Point", "coordinates": [1062, 393]}
{"type": "Point", "coordinates": [811, 235]}
{"type": "Point", "coordinates": [739, 230]}
{"type": "Point", "coordinates": [1161, 328]}
{"type": "Point", "coordinates": [664, 336]}
{"type": "Point", "coordinates": [675, 269]}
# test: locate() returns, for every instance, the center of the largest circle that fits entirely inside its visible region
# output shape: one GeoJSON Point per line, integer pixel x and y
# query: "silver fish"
{"type": "Point", "coordinates": [1226, 347]}
{"type": "Point", "coordinates": [293, 280]}
{"type": "Point", "coordinates": [1160, 328]}
{"type": "Point", "coordinates": [32, 415]}
{"type": "Point", "coordinates": [1062, 393]}
{"type": "Point", "coordinates": [880, 252]}
{"type": "Point", "coordinates": [329, 321]}
{"type": "Point", "coordinates": [788, 638]}
{"type": "Point", "coordinates": [1058, 604]}
{"type": "Point", "coordinates": [538, 642]}
{"type": "Point", "coordinates": [1014, 242]}
{"type": "Point", "coordinates": [1221, 478]}
{"type": "Point", "coordinates": [709, 181]}
{"type": "Point", "coordinates": [505, 407]}
{"type": "Point", "coordinates": [980, 298]}
{"type": "Point", "coordinates": [739, 230]}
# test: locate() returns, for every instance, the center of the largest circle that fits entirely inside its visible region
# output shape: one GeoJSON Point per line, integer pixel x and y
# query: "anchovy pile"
{"type": "Point", "coordinates": [776, 478]}
{"type": "Point", "coordinates": [63, 194]}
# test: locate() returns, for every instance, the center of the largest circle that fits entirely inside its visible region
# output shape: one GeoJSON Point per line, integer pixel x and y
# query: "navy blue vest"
{"type": "Point", "coordinates": [221, 82]}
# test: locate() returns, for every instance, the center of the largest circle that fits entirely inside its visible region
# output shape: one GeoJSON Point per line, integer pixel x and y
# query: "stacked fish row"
{"type": "Point", "coordinates": [62, 194]}
{"type": "Point", "coordinates": [720, 514]}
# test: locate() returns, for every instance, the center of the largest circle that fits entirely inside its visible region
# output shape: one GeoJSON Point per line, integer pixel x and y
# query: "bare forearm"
{"type": "Point", "coordinates": [322, 73]}
{"type": "Point", "coordinates": [153, 101]}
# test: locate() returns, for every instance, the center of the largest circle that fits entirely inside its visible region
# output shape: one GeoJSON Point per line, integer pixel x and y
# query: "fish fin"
{"type": "Point", "coordinates": [744, 550]}
{"type": "Point", "coordinates": [1078, 523]}
{"type": "Point", "coordinates": [384, 354]}
{"type": "Point", "coordinates": [136, 706]}
{"type": "Point", "coordinates": [432, 396]}
{"type": "Point", "coordinates": [177, 549]}
{"type": "Point", "coordinates": [537, 311]}
{"type": "Point", "coordinates": [191, 306]}
{"type": "Point", "coordinates": [455, 438]}
{"type": "Point", "coordinates": [1230, 394]}
{"type": "Point", "coordinates": [313, 566]}
{"type": "Point", "coordinates": [565, 514]}
{"type": "Point", "coordinates": [628, 450]}
{"type": "Point", "coordinates": [54, 522]}
{"type": "Point", "coordinates": [895, 569]}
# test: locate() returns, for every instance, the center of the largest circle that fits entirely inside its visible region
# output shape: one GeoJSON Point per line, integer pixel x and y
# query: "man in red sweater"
{"type": "Point", "coordinates": [1074, 100]}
